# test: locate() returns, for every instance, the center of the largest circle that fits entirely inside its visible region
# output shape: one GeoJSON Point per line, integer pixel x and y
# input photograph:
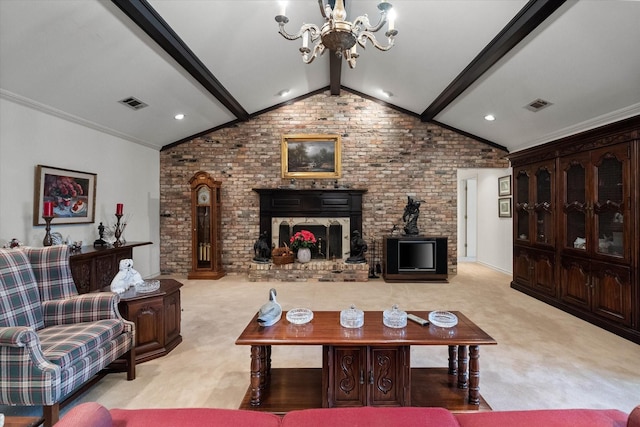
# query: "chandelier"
{"type": "Point", "coordinates": [338, 34]}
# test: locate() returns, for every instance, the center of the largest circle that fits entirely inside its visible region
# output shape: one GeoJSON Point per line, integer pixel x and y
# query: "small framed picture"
{"type": "Point", "coordinates": [504, 186]}
{"type": "Point", "coordinates": [504, 207]}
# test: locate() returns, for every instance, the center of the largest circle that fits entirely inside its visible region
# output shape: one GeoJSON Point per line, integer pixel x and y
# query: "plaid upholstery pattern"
{"type": "Point", "coordinates": [19, 298]}
{"type": "Point", "coordinates": [51, 269]}
{"type": "Point", "coordinates": [51, 339]}
{"type": "Point", "coordinates": [65, 343]}
{"type": "Point", "coordinates": [81, 308]}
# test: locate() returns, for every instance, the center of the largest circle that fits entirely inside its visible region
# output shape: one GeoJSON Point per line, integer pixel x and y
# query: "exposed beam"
{"type": "Point", "coordinates": [335, 71]}
{"type": "Point", "coordinates": [532, 14]}
{"type": "Point", "coordinates": [145, 17]}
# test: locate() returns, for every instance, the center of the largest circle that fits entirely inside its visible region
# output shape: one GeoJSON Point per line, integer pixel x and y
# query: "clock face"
{"type": "Point", "coordinates": [204, 195]}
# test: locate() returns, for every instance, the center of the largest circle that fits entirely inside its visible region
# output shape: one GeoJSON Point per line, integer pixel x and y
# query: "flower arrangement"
{"type": "Point", "coordinates": [62, 189]}
{"type": "Point", "coordinates": [302, 239]}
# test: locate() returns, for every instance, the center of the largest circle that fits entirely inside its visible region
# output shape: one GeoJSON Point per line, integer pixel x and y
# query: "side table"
{"type": "Point", "coordinates": [156, 316]}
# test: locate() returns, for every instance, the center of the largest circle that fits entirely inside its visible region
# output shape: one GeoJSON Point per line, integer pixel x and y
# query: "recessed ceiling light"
{"type": "Point", "coordinates": [283, 92]}
{"type": "Point", "coordinates": [179, 116]}
{"type": "Point", "coordinates": [489, 117]}
{"type": "Point", "coordinates": [387, 93]}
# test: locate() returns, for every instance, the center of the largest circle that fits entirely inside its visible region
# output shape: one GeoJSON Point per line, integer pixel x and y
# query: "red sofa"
{"type": "Point", "coordinates": [95, 415]}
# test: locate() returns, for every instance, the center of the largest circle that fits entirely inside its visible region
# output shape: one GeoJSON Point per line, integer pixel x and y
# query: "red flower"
{"type": "Point", "coordinates": [303, 239]}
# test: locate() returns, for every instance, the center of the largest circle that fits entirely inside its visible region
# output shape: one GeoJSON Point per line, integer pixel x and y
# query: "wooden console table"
{"type": "Point", "coordinates": [94, 268]}
{"type": "Point", "coordinates": [157, 316]}
{"type": "Point", "coordinates": [367, 366]}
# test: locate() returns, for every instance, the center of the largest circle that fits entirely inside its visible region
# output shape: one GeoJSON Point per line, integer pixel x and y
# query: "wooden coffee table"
{"type": "Point", "coordinates": [367, 366]}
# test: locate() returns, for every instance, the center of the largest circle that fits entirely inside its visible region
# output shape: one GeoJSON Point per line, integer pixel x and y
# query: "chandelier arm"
{"type": "Point", "coordinates": [364, 22]}
{"type": "Point", "coordinates": [314, 32]}
{"type": "Point", "coordinates": [317, 51]}
{"type": "Point", "coordinates": [364, 35]}
{"type": "Point", "coordinates": [321, 4]}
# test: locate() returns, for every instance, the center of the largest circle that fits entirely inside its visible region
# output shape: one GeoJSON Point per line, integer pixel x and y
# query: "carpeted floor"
{"type": "Point", "coordinates": [544, 358]}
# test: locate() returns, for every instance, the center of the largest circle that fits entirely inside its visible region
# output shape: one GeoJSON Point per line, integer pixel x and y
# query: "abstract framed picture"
{"type": "Point", "coordinates": [504, 186]}
{"type": "Point", "coordinates": [311, 156]}
{"type": "Point", "coordinates": [72, 194]}
{"type": "Point", "coordinates": [504, 207]}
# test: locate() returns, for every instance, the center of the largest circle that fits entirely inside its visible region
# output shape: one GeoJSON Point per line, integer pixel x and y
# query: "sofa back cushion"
{"type": "Point", "coordinates": [19, 297]}
{"type": "Point", "coordinates": [368, 416]}
{"type": "Point", "coordinates": [51, 269]}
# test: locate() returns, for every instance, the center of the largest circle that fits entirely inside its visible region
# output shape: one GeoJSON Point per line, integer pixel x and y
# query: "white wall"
{"type": "Point", "coordinates": [126, 173]}
{"type": "Point", "coordinates": [494, 235]}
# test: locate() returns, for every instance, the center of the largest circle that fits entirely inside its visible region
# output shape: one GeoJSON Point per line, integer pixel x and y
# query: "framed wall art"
{"type": "Point", "coordinates": [504, 207]}
{"type": "Point", "coordinates": [72, 195]}
{"type": "Point", "coordinates": [504, 186]}
{"type": "Point", "coordinates": [311, 156]}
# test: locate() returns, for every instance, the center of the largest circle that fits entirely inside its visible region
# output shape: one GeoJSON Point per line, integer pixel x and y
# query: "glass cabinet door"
{"type": "Point", "coordinates": [544, 230]}
{"type": "Point", "coordinates": [203, 228]}
{"type": "Point", "coordinates": [575, 205]}
{"type": "Point", "coordinates": [522, 206]}
{"type": "Point", "coordinates": [608, 206]}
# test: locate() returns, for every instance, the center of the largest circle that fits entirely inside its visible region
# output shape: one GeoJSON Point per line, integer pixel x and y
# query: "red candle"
{"type": "Point", "coordinates": [119, 208]}
{"type": "Point", "coordinates": [48, 209]}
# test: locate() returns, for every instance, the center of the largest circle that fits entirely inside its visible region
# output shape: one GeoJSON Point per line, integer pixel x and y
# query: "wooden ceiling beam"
{"type": "Point", "coordinates": [145, 17]}
{"type": "Point", "coordinates": [534, 13]}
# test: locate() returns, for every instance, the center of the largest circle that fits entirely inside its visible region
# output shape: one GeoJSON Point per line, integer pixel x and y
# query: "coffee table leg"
{"type": "Point", "coordinates": [462, 366]}
{"type": "Point", "coordinates": [259, 372]}
{"type": "Point", "coordinates": [474, 374]}
{"type": "Point", "coordinates": [453, 360]}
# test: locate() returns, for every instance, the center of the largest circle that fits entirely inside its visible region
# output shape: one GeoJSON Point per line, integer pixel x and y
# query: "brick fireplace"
{"type": "Point", "coordinates": [331, 214]}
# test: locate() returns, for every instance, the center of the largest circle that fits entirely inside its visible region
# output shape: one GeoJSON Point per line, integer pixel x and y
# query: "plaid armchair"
{"type": "Point", "coordinates": [52, 340]}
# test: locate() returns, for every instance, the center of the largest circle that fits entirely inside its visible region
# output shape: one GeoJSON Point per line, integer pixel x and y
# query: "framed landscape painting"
{"type": "Point", "coordinates": [311, 156]}
{"type": "Point", "coordinates": [72, 194]}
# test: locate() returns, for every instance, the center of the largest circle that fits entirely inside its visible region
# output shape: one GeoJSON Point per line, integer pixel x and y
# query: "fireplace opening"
{"type": "Point", "coordinates": [331, 235]}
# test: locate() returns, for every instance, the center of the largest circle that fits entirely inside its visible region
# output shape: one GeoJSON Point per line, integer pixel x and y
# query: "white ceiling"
{"type": "Point", "coordinates": [78, 58]}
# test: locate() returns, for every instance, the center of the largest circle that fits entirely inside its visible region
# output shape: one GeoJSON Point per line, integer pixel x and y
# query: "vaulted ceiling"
{"type": "Point", "coordinates": [220, 62]}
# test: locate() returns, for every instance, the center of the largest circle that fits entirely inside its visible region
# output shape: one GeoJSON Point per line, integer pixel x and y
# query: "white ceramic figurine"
{"type": "Point", "coordinates": [126, 277]}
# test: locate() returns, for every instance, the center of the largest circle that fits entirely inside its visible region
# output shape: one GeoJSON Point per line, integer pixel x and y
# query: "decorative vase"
{"type": "Point", "coordinates": [304, 255]}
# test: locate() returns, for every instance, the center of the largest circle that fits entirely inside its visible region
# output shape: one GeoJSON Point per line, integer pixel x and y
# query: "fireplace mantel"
{"type": "Point", "coordinates": [312, 203]}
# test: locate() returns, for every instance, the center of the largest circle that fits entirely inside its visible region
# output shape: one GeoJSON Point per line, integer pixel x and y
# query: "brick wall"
{"type": "Point", "coordinates": [383, 150]}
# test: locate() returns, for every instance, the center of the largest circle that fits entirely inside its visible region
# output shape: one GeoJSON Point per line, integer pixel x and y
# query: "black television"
{"type": "Point", "coordinates": [415, 258]}
{"type": "Point", "coordinates": [417, 255]}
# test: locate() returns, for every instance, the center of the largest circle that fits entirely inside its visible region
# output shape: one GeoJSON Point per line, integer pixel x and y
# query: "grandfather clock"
{"type": "Point", "coordinates": [206, 238]}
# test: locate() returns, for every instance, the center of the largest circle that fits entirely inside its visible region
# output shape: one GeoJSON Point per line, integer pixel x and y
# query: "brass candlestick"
{"type": "Point", "coordinates": [47, 241]}
{"type": "Point", "coordinates": [118, 231]}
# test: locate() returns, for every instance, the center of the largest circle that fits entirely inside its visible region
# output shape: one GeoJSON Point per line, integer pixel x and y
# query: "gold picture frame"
{"type": "Point", "coordinates": [72, 193]}
{"type": "Point", "coordinates": [311, 156]}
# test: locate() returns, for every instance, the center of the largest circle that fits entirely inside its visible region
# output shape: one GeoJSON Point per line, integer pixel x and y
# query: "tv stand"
{"type": "Point", "coordinates": [429, 265]}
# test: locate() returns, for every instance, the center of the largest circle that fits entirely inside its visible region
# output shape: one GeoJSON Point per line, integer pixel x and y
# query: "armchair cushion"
{"type": "Point", "coordinates": [19, 297]}
{"type": "Point", "coordinates": [65, 344]}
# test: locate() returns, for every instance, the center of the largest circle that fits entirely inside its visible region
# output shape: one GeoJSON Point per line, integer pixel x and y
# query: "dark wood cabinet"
{"type": "Point", "coordinates": [206, 221]}
{"type": "Point", "coordinates": [157, 318]}
{"type": "Point", "coordinates": [94, 268]}
{"type": "Point", "coordinates": [535, 269]}
{"type": "Point", "coordinates": [578, 248]}
{"type": "Point", "coordinates": [367, 376]}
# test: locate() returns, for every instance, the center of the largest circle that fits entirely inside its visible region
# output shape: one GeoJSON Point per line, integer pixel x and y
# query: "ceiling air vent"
{"type": "Point", "coordinates": [537, 105]}
{"type": "Point", "coordinates": [133, 103]}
